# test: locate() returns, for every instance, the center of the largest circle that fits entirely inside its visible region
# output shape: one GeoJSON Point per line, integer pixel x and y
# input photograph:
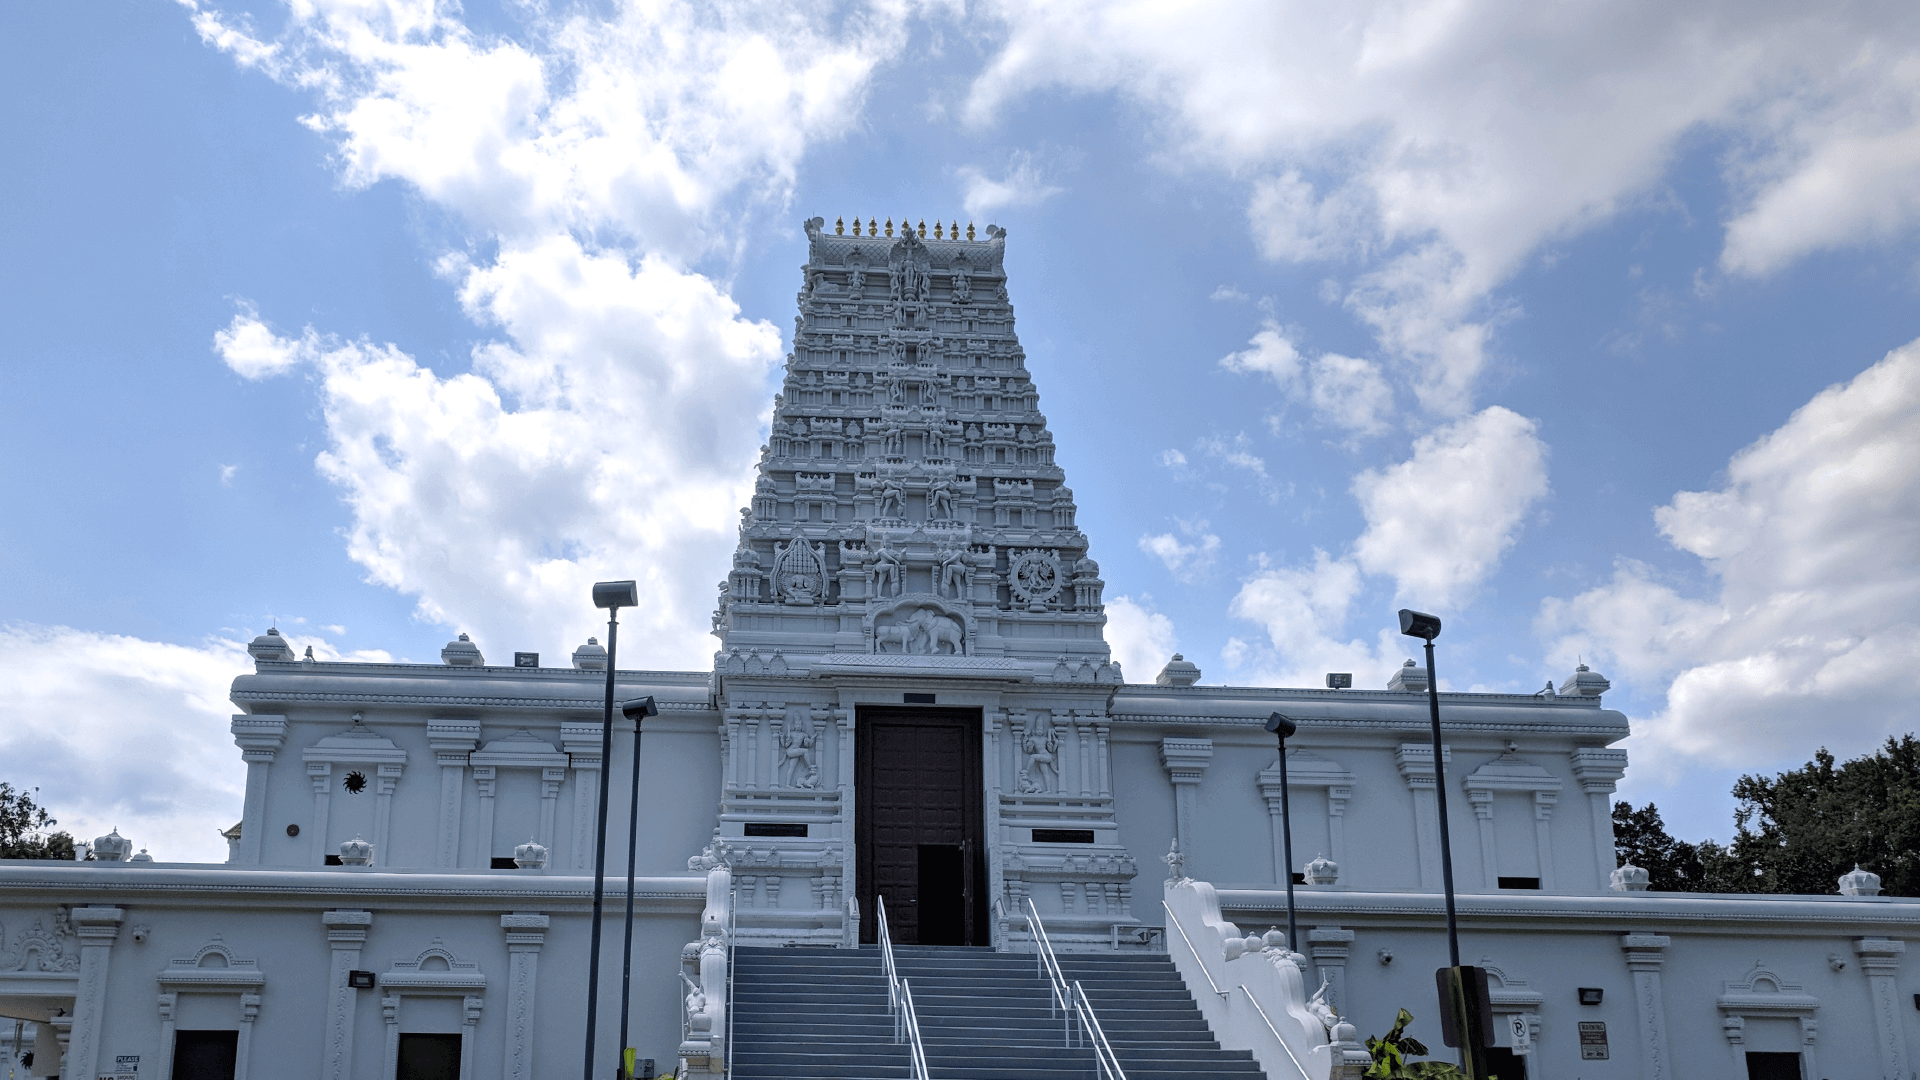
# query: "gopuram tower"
{"type": "Point", "coordinates": [912, 666]}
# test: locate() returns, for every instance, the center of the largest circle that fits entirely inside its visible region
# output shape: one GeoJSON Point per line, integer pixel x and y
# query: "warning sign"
{"type": "Point", "coordinates": [1593, 1040]}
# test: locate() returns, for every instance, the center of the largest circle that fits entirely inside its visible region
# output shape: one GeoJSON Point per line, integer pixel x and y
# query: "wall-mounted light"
{"type": "Point", "coordinates": [1591, 995]}
{"type": "Point", "coordinates": [360, 980]}
{"type": "Point", "coordinates": [1339, 680]}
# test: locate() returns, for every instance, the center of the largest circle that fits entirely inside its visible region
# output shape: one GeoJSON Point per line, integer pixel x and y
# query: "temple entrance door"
{"type": "Point", "coordinates": [918, 825]}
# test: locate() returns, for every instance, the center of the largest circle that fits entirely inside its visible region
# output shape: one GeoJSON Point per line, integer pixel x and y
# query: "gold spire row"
{"type": "Point", "coordinates": [940, 232]}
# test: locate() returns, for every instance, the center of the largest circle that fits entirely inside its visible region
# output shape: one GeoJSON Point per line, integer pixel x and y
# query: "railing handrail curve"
{"type": "Point", "coordinates": [1174, 921]}
{"type": "Point", "coordinates": [1048, 963]}
{"type": "Point", "coordinates": [906, 1023]}
{"type": "Point", "coordinates": [1072, 998]}
{"type": "Point", "coordinates": [1102, 1049]}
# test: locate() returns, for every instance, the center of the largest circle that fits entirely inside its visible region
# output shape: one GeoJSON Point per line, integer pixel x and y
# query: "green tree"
{"type": "Point", "coordinates": [1641, 838]}
{"type": "Point", "coordinates": [1798, 832]}
{"type": "Point", "coordinates": [23, 825]}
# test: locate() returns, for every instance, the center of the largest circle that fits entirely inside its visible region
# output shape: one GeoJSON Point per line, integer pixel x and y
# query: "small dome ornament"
{"type": "Point", "coordinates": [1179, 671]}
{"type": "Point", "coordinates": [591, 657]}
{"type": "Point", "coordinates": [462, 652]}
{"type": "Point", "coordinates": [1585, 682]}
{"type": "Point", "coordinates": [1858, 882]}
{"type": "Point", "coordinates": [1322, 871]}
{"type": "Point", "coordinates": [356, 852]}
{"type": "Point", "coordinates": [1628, 878]}
{"type": "Point", "coordinates": [270, 646]}
{"type": "Point", "coordinates": [141, 857]}
{"type": "Point", "coordinates": [115, 848]}
{"type": "Point", "coordinates": [531, 855]}
{"type": "Point", "coordinates": [1410, 679]}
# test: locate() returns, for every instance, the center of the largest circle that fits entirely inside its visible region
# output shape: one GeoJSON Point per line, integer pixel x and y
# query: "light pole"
{"type": "Point", "coordinates": [612, 595]}
{"type": "Point", "coordinates": [1427, 627]}
{"type": "Point", "coordinates": [1283, 727]}
{"type": "Point", "coordinates": [636, 710]}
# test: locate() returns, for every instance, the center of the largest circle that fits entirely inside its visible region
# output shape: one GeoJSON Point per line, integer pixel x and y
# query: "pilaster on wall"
{"type": "Point", "coordinates": [1186, 762]}
{"type": "Point", "coordinates": [1599, 769]}
{"type": "Point", "coordinates": [346, 934]}
{"type": "Point", "coordinates": [1645, 955]}
{"type": "Point", "coordinates": [97, 927]}
{"type": "Point", "coordinates": [259, 739]}
{"type": "Point", "coordinates": [581, 742]}
{"type": "Point", "coordinates": [526, 935]}
{"type": "Point", "coordinates": [1329, 946]}
{"type": "Point", "coordinates": [1880, 963]}
{"type": "Point", "coordinates": [1415, 761]}
{"type": "Point", "coordinates": [452, 741]}
{"type": "Point", "coordinates": [1307, 770]}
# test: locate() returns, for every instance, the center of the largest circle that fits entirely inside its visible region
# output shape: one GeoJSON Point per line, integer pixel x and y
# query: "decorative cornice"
{"type": "Point", "coordinates": [1717, 913]}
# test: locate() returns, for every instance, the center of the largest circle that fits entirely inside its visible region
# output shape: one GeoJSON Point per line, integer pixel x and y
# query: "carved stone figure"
{"type": "Point", "coordinates": [962, 284]}
{"type": "Point", "coordinates": [1039, 745]}
{"type": "Point", "coordinates": [924, 633]}
{"type": "Point", "coordinates": [1035, 577]}
{"type": "Point", "coordinates": [799, 572]}
{"type": "Point", "coordinates": [893, 500]}
{"type": "Point", "coordinates": [896, 392]}
{"type": "Point", "coordinates": [894, 441]}
{"type": "Point", "coordinates": [856, 274]}
{"type": "Point", "coordinates": [955, 576]}
{"type": "Point", "coordinates": [884, 572]}
{"type": "Point", "coordinates": [940, 502]}
{"type": "Point", "coordinates": [798, 767]}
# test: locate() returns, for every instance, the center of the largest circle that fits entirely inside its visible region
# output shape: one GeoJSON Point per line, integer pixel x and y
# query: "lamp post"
{"type": "Point", "coordinates": [1283, 727]}
{"type": "Point", "coordinates": [1427, 627]}
{"type": "Point", "coordinates": [612, 595]}
{"type": "Point", "coordinates": [636, 710]}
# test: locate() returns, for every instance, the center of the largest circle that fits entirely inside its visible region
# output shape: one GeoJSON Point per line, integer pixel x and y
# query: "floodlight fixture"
{"type": "Point", "coordinates": [639, 709]}
{"type": "Point", "coordinates": [616, 594]}
{"type": "Point", "coordinates": [1419, 624]}
{"type": "Point", "coordinates": [1339, 680]}
{"type": "Point", "coordinates": [1281, 726]}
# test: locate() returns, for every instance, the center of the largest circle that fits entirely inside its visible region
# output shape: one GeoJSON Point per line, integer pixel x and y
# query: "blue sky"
{"type": "Point", "coordinates": [1584, 326]}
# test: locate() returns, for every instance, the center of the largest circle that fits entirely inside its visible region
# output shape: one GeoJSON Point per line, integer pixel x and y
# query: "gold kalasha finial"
{"type": "Point", "coordinates": [923, 228]}
{"type": "Point", "coordinates": [889, 226]}
{"type": "Point", "coordinates": [969, 230]}
{"type": "Point", "coordinates": [873, 227]}
{"type": "Point", "coordinates": [840, 226]}
{"type": "Point", "coordinates": [856, 225]}
{"type": "Point", "coordinates": [936, 228]}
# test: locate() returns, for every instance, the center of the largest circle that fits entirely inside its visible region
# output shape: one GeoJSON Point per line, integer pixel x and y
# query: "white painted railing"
{"type": "Point", "coordinates": [1258, 999]}
{"type": "Point", "coordinates": [1071, 999]}
{"type": "Point", "coordinates": [906, 1022]}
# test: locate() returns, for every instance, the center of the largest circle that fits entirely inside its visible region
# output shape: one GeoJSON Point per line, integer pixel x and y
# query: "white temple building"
{"type": "Point", "coordinates": [912, 697]}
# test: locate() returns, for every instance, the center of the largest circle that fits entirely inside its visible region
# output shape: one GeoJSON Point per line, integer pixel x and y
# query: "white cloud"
{"type": "Point", "coordinates": [609, 429]}
{"type": "Point", "coordinates": [1440, 521]}
{"type": "Point", "coordinates": [1021, 184]}
{"type": "Point", "coordinates": [226, 474]}
{"type": "Point", "coordinates": [1173, 459]}
{"type": "Point", "coordinates": [122, 733]}
{"type": "Point", "coordinates": [1304, 610]}
{"type": "Point", "coordinates": [1811, 637]}
{"type": "Point", "coordinates": [1344, 391]}
{"type": "Point", "coordinates": [1228, 293]}
{"type": "Point", "coordinates": [1141, 638]}
{"type": "Point", "coordinates": [1185, 561]}
{"type": "Point", "coordinates": [1435, 148]}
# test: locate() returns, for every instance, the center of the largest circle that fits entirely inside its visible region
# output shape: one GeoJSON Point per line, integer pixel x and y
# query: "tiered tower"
{"type": "Point", "coordinates": [911, 558]}
{"type": "Point", "coordinates": [908, 503]}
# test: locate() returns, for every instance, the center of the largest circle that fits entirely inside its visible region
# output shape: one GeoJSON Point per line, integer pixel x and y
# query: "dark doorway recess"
{"type": "Point", "coordinates": [1772, 1066]}
{"type": "Point", "coordinates": [1506, 1064]}
{"type": "Point", "coordinates": [918, 825]}
{"type": "Point", "coordinates": [429, 1057]}
{"type": "Point", "coordinates": [205, 1055]}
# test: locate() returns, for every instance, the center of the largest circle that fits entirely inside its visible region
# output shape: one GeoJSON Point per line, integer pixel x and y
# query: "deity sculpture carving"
{"type": "Point", "coordinates": [925, 632]}
{"type": "Point", "coordinates": [940, 500]}
{"type": "Point", "coordinates": [962, 283]}
{"type": "Point", "coordinates": [798, 767]}
{"type": "Point", "coordinates": [1038, 774]}
{"type": "Point", "coordinates": [892, 501]}
{"type": "Point", "coordinates": [1035, 577]}
{"type": "Point", "coordinates": [884, 572]}
{"type": "Point", "coordinates": [799, 572]}
{"type": "Point", "coordinates": [955, 575]}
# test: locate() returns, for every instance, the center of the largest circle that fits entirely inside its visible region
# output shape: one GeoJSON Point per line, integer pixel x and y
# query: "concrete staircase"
{"type": "Point", "coordinates": [821, 1014]}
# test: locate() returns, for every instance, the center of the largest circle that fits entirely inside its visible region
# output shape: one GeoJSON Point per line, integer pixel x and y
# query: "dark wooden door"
{"type": "Point", "coordinates": [205, 1055]}
{"type": "Point", "coordinates": [918, 824]}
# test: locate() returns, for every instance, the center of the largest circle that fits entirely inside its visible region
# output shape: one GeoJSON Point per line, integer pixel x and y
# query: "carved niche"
{"type": "Point", "coordinates": [800, 572]}
{"type": "Point", "coordinates": [920, 626]}
{"type": "Point", "coordinates": [1034, 576]}
{"type": "Point", "coordinates": [39, 949]}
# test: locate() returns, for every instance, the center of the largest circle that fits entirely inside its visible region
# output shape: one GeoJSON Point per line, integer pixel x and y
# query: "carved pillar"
{"type": "Point", "coordinates": [390, 1015]}
{"type": "Point", "coordinates": [1543, 803]}
{"type": "Point", "coordinates": [848, 797]}
{"type": "Point", "coordinates": [1337, 824]}
{"type": "Point", "coordinates": [259, 739]}
{"type": "Point", "coordinates": [1645, 954]}
{"type": "Point", "coordinates": [96, 927]}
{"type": "Point", "coordinates": [1880, 962]}
{"type": "Point", "coordinates": [526, 933]}
{"type": "Point", "coordinates": [1482, 802]}
{"type": "Point", "coordinates": [1329, 946]}
{"type": "Point", "coordinates": [1186, 761]}
{"type": "Point", "coordinates": [387, 778]}
{"type": "Point", "coordinates": [452, 741]}
{"type": "Point", "coordinates": [1416, 768]}
{"type": "Point", "coordinates": [346, 933]}
{"type": "Point", "coordinates": [168, 1001]}
{"type": "Point", "coordinates": [485, 778]}
{"type": "Point", "coordinates": [1082, 740]}
{"type": "Point", "coordinates": [1105, 760]}
{"type": "Point", "coordinates": [1598, 769]}
{"type": "Point", "coordinates": [550, 780]}
{"type": "Point", "coordinates": [249, 1012]}
{"type": "Point", "coordinates": [582, 744]}
{"type": "Point", "coordinates": [320, 775]}
{"type": "Point", "coordinates": [469, 1033]}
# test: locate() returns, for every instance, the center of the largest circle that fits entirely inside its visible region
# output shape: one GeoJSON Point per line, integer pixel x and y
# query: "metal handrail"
{"type": "Point", "coordinates": [1174, 921]}
{"type": "Point", "coordinates": [906, 1022]}
{"type": "Point", "coordinates": [1277, 1037]}
{"type": "Point", "coordinates": [733, 907]}
{"type": "Point", "coordinates": [1102, 1050]}
{"type": "Point", "coordinates": [1072, 999]}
